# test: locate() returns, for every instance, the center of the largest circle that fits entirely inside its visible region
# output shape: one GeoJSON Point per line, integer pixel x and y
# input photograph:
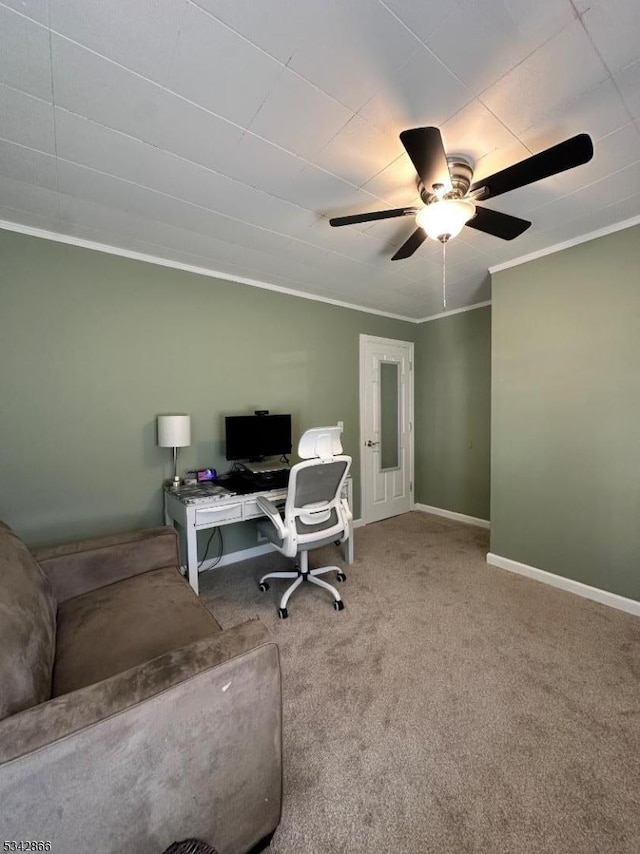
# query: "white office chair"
{"type": "Point", "coordinates": [315, 513]}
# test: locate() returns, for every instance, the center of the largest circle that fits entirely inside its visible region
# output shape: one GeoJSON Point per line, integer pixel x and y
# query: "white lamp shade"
{"type": "Point", "coordinates": [445, 218]}
{"type": "Point", "coordinates": [174, 431]}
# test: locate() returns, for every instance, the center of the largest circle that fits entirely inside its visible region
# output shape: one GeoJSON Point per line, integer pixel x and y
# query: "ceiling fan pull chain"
{"type": "Point", "coordinates": [444, 274]}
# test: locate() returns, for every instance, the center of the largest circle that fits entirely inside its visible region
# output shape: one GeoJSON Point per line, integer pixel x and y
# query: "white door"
{"type": "Point", "coordinates": [386, 428]}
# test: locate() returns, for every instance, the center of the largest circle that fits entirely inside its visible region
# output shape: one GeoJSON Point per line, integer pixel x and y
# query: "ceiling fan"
{"type": "Point", "coordinates": [450, 198]}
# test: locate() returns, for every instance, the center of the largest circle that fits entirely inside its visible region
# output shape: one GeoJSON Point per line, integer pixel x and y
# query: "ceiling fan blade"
{"type": "Point", "coordinates": [426, 150]}
{"type": "Point", "coordinates": [566, 155]}
{"type": "Point", "coordinates": [371, 216]}
{"type": "Point", "coordinates": [499, 224]}
{"type": "Point", "coordinates": [409, 246]}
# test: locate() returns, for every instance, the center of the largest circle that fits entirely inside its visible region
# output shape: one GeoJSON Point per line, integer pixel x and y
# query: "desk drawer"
{"type": "Point", "coordinates": [214, 515]}
{"type": "Point", "coordinates": [252, 509]}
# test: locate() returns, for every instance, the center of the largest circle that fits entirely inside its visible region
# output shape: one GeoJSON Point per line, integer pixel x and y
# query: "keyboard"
{"type": "Point", "coordinates": [272, 480]}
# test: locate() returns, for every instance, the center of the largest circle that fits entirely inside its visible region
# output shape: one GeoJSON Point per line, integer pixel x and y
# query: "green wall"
{"type": "Point", "coordinates": [453, 402]}
{"type": "Point", "coordinates": [565, 457]}
{"type": "Point", "coordinates": [94, 346]}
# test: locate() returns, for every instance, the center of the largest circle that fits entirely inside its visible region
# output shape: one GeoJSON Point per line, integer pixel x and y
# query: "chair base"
{"type": "Point", "coordinates": [303, 573]}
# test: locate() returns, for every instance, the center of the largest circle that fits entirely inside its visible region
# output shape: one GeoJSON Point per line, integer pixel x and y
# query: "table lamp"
{"type": "Point", "coordinates": [174, 431]}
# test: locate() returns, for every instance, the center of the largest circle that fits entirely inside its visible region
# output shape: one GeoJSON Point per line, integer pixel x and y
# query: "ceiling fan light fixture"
{"type": "Point", "coordinates": [445, 219]}
{"type": "Point", "coordinates": [445, 186]}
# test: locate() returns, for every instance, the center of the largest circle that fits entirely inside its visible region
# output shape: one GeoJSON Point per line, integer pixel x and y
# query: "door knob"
{"type": "Point", "coordinates": [370, 444]}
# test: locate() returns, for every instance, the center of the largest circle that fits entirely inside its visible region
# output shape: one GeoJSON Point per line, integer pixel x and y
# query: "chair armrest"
{"type": "Point", "coordinates": [270, 510]}
{"type": "Point", "coordinates": [194, 736]}
{"type": "Point", "coordinates": [78, 567]}
{"type": "Point", "coordinates": [348, 515]}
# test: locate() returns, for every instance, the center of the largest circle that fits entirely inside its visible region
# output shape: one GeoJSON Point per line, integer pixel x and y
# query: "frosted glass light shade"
{"type": "Point", "coordinates": [174, 431]}
{"type": "Point", "coordinates": [445, 218]}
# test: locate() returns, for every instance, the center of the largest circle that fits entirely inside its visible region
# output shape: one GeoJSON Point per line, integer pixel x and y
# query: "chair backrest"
{"type": "Point", "coordinates": [314, 509]}
{"type": "Point", "coordinates": [320, 442]}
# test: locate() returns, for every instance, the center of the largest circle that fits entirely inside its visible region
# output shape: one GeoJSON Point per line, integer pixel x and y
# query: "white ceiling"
{"type": "Point", "coordinates": [224, 133]}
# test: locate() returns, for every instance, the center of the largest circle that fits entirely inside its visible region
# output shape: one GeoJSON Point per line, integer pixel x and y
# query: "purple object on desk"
{"type": "Point", "coordinates": [206, 474]}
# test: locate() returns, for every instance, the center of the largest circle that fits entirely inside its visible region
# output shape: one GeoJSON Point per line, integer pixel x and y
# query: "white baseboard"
{"type": "Point", "coordinates": [233, 557]}
{"type": "Point", "coordinates": [245, 554]}
{"type": "Point", "coordinates": [631, 606]}
{"type": "Point", "coordinates": [449, 514]}
{"type": "Point", "coordinates": [242, 554]}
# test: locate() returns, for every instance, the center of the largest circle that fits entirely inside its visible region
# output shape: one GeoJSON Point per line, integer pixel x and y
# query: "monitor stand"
{"type": "Point", "coordinates": [262, 466]}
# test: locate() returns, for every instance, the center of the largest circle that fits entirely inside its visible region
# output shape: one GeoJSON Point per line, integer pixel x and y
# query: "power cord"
{"type": "Point", "coordinates": [234, 467]}
{"type": "Point", "coordinates": [206, 551]}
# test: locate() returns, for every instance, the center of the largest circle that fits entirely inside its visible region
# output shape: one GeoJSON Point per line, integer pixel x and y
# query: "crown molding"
{"type": "Point", "coordinates": [83, 243]}
{"type": "Point", "coordinates": [454, 311]}
{"type": "Point", "coordinates": [567, 244]}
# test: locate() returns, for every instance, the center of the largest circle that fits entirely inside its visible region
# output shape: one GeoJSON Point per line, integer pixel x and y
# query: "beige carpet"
{"type": "Point", "coordinates": [451, 707]}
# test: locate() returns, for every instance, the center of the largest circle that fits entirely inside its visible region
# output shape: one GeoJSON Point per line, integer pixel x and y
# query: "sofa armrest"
{"type": "Point", "coordinates": [78, 567]}
{"type": "Point", "coordinates": [194, 736]}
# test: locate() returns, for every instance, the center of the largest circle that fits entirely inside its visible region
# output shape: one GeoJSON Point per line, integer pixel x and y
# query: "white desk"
{"type": "Point", "coordinates": [191, 518]}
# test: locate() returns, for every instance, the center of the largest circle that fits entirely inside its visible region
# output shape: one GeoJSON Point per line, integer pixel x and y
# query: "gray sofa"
{"type": "Point", "coordinates": [128, 718]}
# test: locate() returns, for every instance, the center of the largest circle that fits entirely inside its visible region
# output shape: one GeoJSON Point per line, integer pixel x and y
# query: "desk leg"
{"type": "Point", "coordinates": [347, 546]}
{"type": "Point", "coordinates": [192, 557]}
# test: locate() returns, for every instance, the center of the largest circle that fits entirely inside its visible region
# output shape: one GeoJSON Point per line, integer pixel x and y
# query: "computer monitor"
{"type": "Point", "coordinates": [254, 437]}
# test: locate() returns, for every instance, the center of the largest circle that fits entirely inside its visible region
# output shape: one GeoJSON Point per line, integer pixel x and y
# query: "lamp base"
{"type": "Point", "coordinates": [175, 483]}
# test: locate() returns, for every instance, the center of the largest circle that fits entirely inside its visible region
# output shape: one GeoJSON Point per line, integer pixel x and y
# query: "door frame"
{"type": "Point", "coordinates": [375, 339]}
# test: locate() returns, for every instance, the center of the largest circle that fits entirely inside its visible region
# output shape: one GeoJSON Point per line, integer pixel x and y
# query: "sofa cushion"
{"type": "Point", "coordinates": [109, 630]}
{"type": "Point", "coordinates": [27, 627]}
{"type": "Point", "coordinates": [78, 567]}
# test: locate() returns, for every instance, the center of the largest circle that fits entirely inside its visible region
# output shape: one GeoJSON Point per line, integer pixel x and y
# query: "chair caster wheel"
{"type": "Point", "coordinates": [338, 605]}
{"type": "Point", "coordinates": [283, 613]}
{"type": "Point", "coordinates": [341, 576]}
{"type": "Point", "coordinates": [263, 586]}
